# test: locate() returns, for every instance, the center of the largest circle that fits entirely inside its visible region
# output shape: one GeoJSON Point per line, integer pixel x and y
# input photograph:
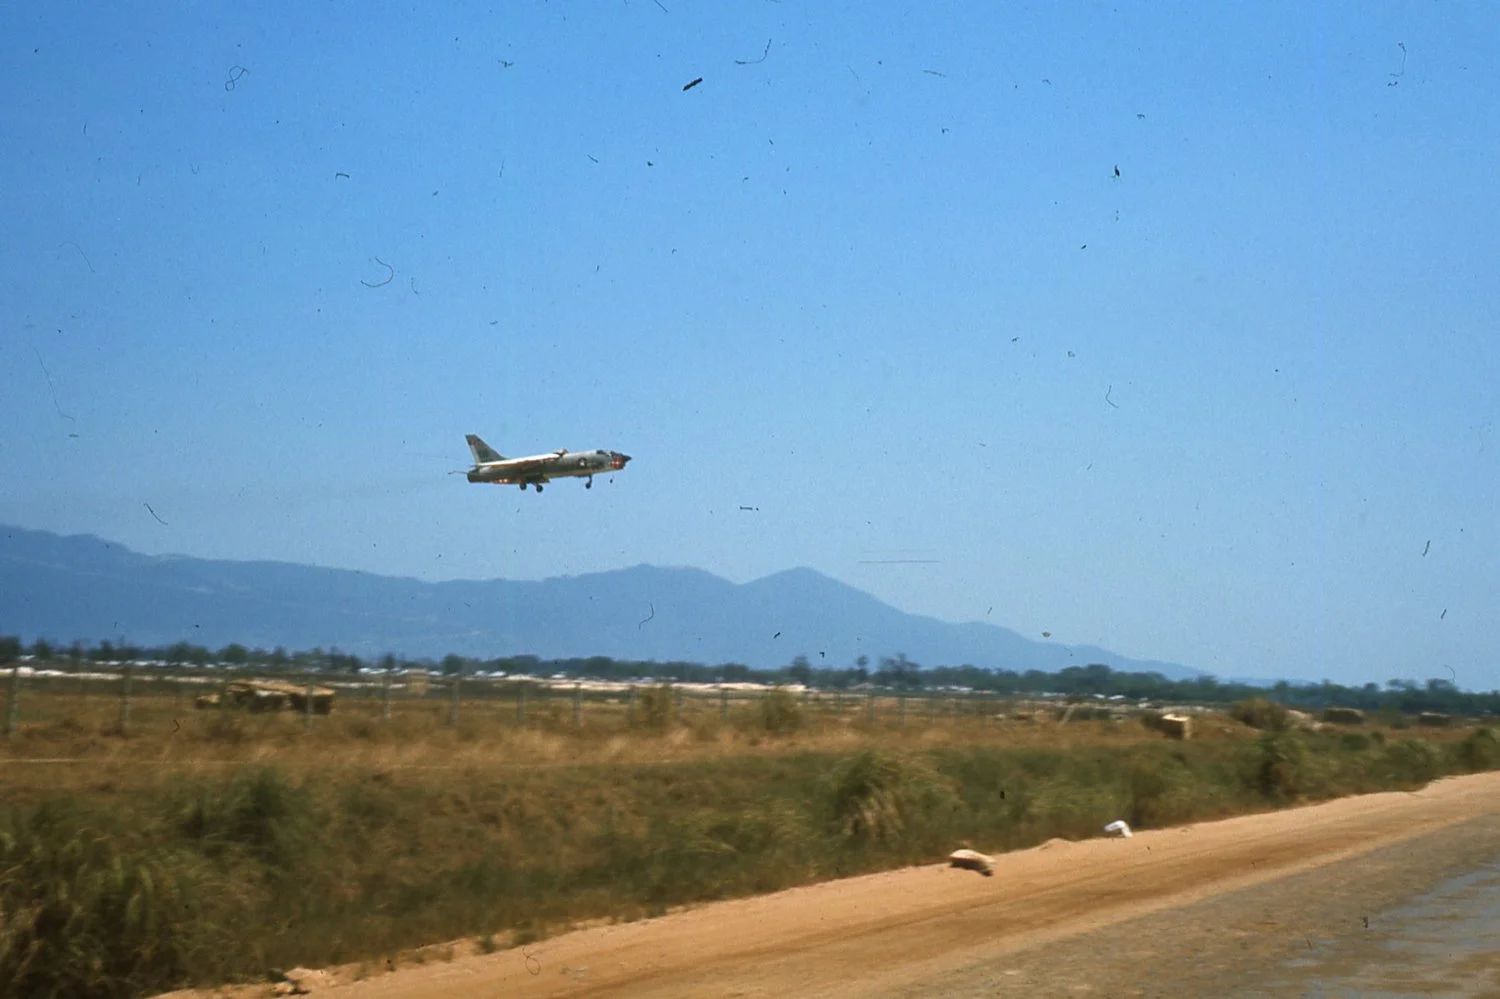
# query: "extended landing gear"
{"type": "Point", "coordinates": [538, 486]}
{"type": "Point", "coordinates": [589, 482]}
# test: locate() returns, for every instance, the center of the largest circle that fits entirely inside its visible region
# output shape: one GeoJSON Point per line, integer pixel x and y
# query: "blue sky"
{"type": "Point", "coordinates": [881, 284]}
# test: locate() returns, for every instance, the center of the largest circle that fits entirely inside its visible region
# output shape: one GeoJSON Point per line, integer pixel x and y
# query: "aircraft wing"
{"type": "Point", "coordinates": [536, 463]}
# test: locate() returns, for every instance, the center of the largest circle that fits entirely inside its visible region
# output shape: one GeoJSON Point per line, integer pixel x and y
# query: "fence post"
{"type": "Point", "coordinates": [307, 700]}
{"type": "Point", "coordinates": [630, 706]}
{"type": "Point", "coordinates": [125, 701]}
{"type": "Point", "coordinates": [453, 699]}
{"type": "Point", "coordinates": [12, 701]}
{"type": "Point", "coordinates": [385, 697]}
{"type": "Point", "coordinates": [578, 704]}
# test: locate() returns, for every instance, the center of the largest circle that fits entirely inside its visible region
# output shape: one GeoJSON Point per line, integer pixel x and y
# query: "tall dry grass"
{"type": "Point", "coordinates": [164, 727]}
{"type": "Point", "coordinates": [124, 878]}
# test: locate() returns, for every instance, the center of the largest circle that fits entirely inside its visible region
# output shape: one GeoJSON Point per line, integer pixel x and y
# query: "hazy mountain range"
{"type": "Point", "coordinates": [81, 587]}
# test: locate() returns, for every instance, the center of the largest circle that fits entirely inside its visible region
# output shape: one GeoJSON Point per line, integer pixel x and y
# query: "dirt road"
{"type": "Point", "coordinates": [910, 932]}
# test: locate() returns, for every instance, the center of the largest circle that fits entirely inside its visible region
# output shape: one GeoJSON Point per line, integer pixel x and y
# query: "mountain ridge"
{"type": "Point", "coordinates": [66, 587]}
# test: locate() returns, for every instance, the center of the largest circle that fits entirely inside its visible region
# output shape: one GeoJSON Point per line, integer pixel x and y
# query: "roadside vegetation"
{"type": "Point", "coordinates": [253, 843]}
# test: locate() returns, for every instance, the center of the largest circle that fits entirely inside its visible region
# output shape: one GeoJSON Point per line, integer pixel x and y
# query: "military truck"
{"type": "Point", "coordinates": [269, 695]}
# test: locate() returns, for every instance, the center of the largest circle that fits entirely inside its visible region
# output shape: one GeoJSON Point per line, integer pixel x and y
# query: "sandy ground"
{"type": "Point", "coordinates": [1167, 912]}
{"type": "Point", "coordinates": [1342, 929]}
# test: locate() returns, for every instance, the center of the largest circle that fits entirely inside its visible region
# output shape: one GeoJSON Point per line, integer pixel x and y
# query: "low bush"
{"type": "Point", "coordinates": [1162, 792]}
{"type": "Point", "coordinates": [259, 811]}
{"type": "Point", "coordinates": [1257, 712]}
{"type": "Point", "coordinates": [1358, 742]}
{"type": "Point", "coordinates": [877, 795]}
{"type": "Point", "coordinates": [778, 712]}
{"type": "Point", "coordinates": [80, 916]}
{"type": "Point", "coordinates": [1276, 766]}
{"type": "Point", "coordinates": [657, 706]}
{"type": "Point", "coordinates": [1410, 763]}
{"type": "Point", "coordinates": [1480, 750]}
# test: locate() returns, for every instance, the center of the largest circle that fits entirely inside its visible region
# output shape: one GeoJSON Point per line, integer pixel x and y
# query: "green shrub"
{"type": "Point", "coordinates": [878, 796]}
{"type": "Point", "coordinates": [1480, 750]}
{"type": "Point", "coordinates": [1161, 792]}
{"type": "Point", "coordinates": [1412, 762]}
{"type": "Point", "coordinates": [1355, 742]}
{"type": "Point", "coordinates": [259, 811]}
{"type": "Point", "coordinates": [1277, 766]}
{"type": "Point", "coordinates": [80, 916]}
{"type": "Point", "coordinates": [1257, 712]}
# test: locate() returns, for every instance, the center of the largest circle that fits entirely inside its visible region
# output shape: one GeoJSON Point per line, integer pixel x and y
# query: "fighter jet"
{"type": "Point", "coordinates": [538, 469]}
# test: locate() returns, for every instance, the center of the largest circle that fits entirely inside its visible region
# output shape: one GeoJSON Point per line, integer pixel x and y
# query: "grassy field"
{"type": "Point", "coordinates": [83, 719]}
{"type": "Point", "coordinates": [209, 846]}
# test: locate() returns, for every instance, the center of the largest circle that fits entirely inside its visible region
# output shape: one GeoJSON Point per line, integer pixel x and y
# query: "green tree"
{"type": "Point", "coordinates": [41, 650]}
{"type": "Point", "coordinates": [10, 648]}
{"type": "Point", "coordinates": [799, 671]}
{"type": "Point", "coordinates": [899, 672]}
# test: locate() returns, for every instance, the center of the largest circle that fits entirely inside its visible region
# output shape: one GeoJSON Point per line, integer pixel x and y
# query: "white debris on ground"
{"type": "Point", "coordinates": [301, 981]}
{"type": "Point", "coordinates": [1119, 827]}
{"type": "Point", "coordinates": [972, 860]}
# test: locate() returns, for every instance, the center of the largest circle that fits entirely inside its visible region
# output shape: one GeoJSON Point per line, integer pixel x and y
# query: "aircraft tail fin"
{"type": "Point", "coordinates": [482, 452]}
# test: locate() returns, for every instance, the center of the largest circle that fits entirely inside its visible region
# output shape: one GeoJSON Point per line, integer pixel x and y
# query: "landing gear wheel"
{"type": "Point", "coordinates": [590, 483]}
{"type": "Point", "coordinates": [538, 487]}
{"type": "Point", "coordinates": [523, 486]}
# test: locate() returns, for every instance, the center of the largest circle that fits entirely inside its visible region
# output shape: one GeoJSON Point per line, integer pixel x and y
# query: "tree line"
{"type": "Point", "coordinates": [890, 673]}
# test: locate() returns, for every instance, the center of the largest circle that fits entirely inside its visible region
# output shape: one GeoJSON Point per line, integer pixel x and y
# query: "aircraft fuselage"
{"type": "Point", "coordinates": [536, 470]}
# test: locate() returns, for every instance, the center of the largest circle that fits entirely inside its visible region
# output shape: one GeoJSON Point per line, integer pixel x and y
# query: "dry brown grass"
{"type": "Point", "coordinates": [67, 742]}
{"type": "Point", "coordinates": [354, 838]}
{"type": "Point", "coordinates": [166, 730]}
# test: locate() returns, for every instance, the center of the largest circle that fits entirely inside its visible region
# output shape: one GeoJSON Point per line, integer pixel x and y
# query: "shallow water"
{"type": "Point", "coordinates": [1443, 944]}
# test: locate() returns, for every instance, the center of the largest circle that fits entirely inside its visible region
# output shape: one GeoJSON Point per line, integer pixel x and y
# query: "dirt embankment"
{"type": "Point", "coordinates": [898, 930]}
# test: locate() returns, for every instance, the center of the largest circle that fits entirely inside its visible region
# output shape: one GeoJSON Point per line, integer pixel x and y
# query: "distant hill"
{"type": "Point", "coordinates": [81, 587]}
